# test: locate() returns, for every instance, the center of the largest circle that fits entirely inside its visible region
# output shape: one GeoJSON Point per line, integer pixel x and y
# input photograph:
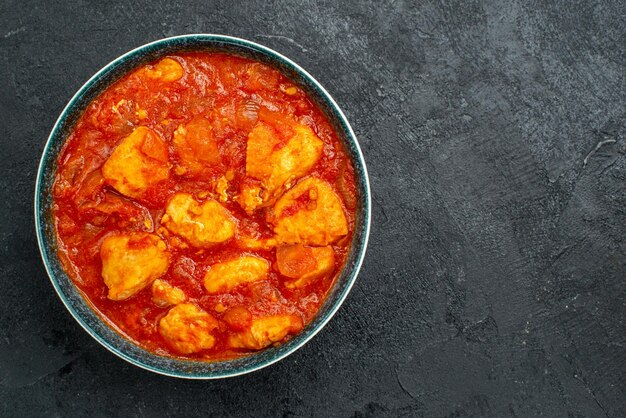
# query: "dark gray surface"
{"type": "Point", "coordinates": [495, 278]}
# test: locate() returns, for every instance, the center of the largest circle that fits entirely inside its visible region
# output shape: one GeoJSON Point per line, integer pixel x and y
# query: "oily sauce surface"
{"type": "Point", "coordinates": [230, 96]}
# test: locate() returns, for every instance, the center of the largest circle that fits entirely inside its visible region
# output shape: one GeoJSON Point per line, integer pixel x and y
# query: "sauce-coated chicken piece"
{"type": "Point", "coordinates": [166, 70]}
{"type": "Point", "coordinates": [202, 224]}
{"type": "Point", "coordinates": [310, 213]}
{"type": "Point", "coordinates": [187, 328]}
{"type": "Point", "coordinates": [138, 162]}
{"type": "Point", "coordinates": [276, 162]}
{"type": "Point", "coordinates": [265, 331]}
{"type": "Point", "coordinates": [225, 276]}
{"type": "Point", "coordinates": [131, 262]}
{"type": "Point", "coordinates": [304, 264]}
{"type": "Point", "coordinates": [164, 294]}
{"type": "Point", "coordinates": [252, 243]}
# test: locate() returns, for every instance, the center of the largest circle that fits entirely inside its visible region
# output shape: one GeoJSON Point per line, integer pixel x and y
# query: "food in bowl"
{"type": "Point", "coordinates": [204, 206]}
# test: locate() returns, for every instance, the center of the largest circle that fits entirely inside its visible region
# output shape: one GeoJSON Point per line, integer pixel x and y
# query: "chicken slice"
{"type": "Point", "coordinates": [310, 213]}
{"type": "Point", "coordinates": [188, 329]}
{"type": "Point", "coordinates": [166, 70]}
{"type": "Point", "coordinates": [250, 197]}
{"type": "Point", "coordinates": [202, 224]}
{"type": "Point", "coordinates": [304, 264]}
{"type": "Point", "coordinates": [276, 162]}
{"type": "Point", "coordinates": [265, 331]}
{"type": "Point", "coordinates": [138, 162]}
{"type": "Point", "coordinates": [225, 276]}
{"type": "Point", "coordinates": [164, 294]}
{"type": "Point", "coordinates": [221, 188]}
{"type": "Point", "coordinates": [131, 262]}
{"type": "Point", "coordinates": [252, 243]}
{"type": "Point", "coordinates": [196, 146]}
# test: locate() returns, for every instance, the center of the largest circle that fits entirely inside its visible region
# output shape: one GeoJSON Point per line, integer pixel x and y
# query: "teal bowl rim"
{"type": "Point", "coordinates": [114, 341]}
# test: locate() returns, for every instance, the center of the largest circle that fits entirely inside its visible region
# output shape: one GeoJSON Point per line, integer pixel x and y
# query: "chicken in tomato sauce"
{"type": "Point", "coordinates": [204, 206]}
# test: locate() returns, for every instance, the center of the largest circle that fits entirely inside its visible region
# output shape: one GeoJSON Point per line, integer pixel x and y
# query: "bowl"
{"type": "Point", "coordinates": [72, 297]}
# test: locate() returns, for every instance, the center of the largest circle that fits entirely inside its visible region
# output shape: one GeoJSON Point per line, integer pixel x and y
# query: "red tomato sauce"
{"type": "Point", "coordinates": [233, 94]}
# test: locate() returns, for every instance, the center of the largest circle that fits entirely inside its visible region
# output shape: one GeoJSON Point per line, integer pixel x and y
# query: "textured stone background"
{"type": "Point", "coordinates": [495, 278]}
